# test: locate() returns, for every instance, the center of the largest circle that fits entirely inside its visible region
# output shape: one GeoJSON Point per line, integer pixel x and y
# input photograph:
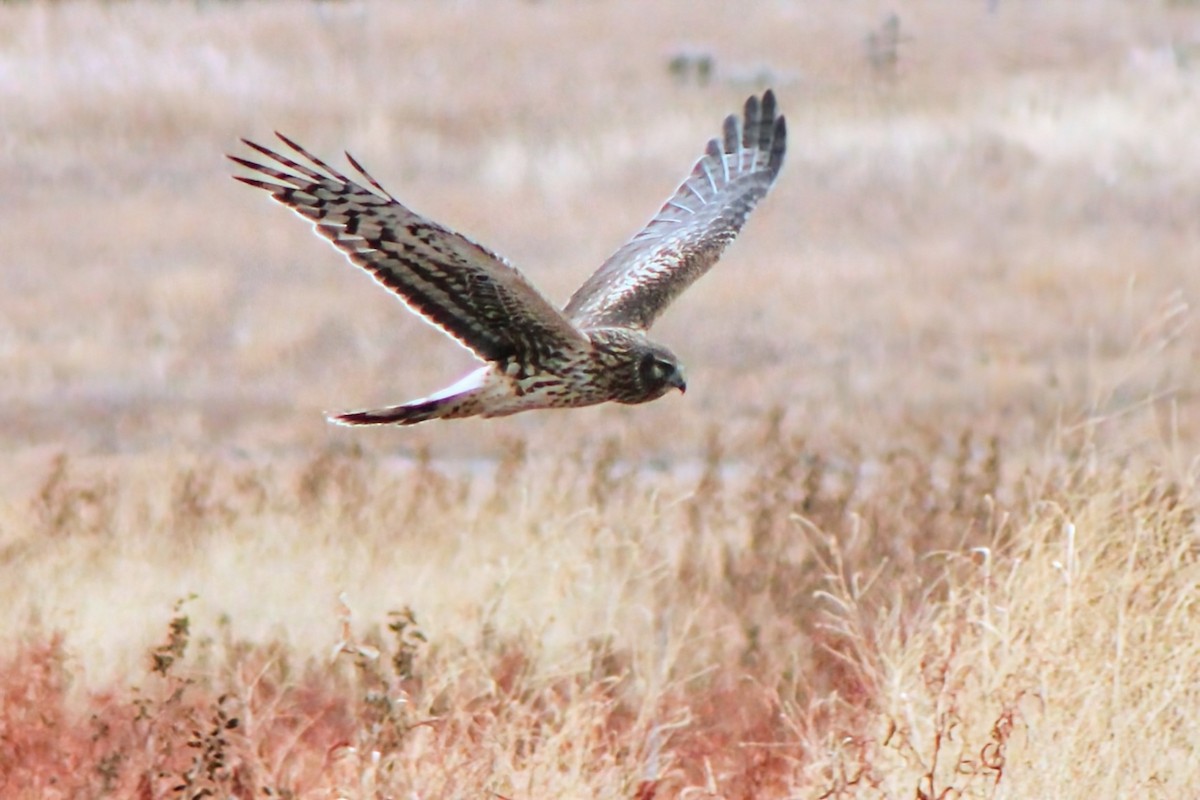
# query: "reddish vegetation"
{"type": "Point", "coordinates": [400, 711]}
{"type": "Point", "coordinates": [796, 671]}
{"type": "Point", "coordinates": [282, 736]}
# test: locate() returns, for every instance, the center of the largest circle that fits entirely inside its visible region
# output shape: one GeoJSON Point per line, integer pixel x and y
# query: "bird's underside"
{"type": "Point", "coordinates": [595, 349]}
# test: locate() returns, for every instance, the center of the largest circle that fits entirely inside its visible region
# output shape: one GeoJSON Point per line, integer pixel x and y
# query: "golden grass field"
{"type": "Point", "coordinates": [924, 526]}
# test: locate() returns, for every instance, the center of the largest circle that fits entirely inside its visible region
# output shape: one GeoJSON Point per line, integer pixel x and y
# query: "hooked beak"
{"type": "Point", "coordinates": [679, 381]}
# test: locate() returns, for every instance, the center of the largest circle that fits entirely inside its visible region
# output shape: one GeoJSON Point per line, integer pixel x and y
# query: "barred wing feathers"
{"type": "Point", "coordinates": [462, 287]}
{"type": "Point", "coordinates": [688, 235]}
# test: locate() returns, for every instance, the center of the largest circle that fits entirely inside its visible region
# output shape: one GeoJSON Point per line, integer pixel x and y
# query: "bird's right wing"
{"type": "Point", "coordinates": [462, 287]}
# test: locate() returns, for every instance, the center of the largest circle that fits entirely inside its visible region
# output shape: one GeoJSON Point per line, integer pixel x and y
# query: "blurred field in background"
{"type": "Point", "coordinates": [925, 520]}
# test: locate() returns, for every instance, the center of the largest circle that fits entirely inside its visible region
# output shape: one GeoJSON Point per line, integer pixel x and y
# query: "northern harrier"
{"type": "Point", "coordinates": [592, 351]}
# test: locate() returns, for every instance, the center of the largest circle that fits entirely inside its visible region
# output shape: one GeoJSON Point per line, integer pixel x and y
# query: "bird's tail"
{"type": "Point", "coordinates": [408, 413]}
{"type": "Point", "coordinates": [463, 399]}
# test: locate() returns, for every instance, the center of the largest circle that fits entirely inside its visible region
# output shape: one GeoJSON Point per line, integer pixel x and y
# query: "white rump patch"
{"type": "Point", "coordinates": [475, 380]}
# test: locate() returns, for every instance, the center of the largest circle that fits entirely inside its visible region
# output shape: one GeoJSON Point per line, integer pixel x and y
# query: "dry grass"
{"type": "Point", "coordinates": [923, 527]}
{"type": "Point", "coordinates": [798, 629]}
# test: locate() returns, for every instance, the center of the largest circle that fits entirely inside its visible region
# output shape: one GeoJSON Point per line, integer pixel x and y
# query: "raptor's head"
{"type": "Point", "coordinates": [631, 368]}
{"type": "Point", "coordinates": [659, 371]}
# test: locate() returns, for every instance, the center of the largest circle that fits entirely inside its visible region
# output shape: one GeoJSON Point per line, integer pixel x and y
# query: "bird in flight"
{"type": "Point", "coordinates": [595, 348]}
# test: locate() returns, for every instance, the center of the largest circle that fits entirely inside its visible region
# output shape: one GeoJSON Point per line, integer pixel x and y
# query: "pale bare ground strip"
{"type": "Point", "coordinates": [996, 242]}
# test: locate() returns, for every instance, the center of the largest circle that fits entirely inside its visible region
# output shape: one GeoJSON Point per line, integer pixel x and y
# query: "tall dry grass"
{"type": "Point", "coordinates": [821, 626]}
{"type": "Point", "coordinates": [923, 526]}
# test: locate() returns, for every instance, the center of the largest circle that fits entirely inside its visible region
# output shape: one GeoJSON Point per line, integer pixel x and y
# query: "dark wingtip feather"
{"type": "Point", "coordinates": [290, 143]}
{"type": "Point", "coordinates": [258, 148]}
{"type": "Point", "coordinates": [766, 123]}
{"type": "Point", "coordinates": [329, 172]}
{"type": "Point", "coordinates": [778, 145]}
{"type": "Point", "coordinates": [752, 114]}
{"type": "Point", "coordinates": [750, 109]}
{"type": "Point", "coordinates": [354, 162]}
{"type": "Point", "coordinates": [368, 177]}
{"type": "Point", "coordinates": [256, 183]}
{"type": "Point", "coordinates": [731, 134]}
{"type": "Point", "coordinates": [245, 162]}
{"type": "Point", "coordinates": [768, 104]}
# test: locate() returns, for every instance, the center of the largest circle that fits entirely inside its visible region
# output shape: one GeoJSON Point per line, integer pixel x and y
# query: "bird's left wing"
{"type": "Point", "coordinates": [691, 231]}
{"type": "Point", "coordinates": [462, 287]}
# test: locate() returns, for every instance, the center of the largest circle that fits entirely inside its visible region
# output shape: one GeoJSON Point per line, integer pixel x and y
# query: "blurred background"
{"type": "Point", "coordinates": [988, 215]}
